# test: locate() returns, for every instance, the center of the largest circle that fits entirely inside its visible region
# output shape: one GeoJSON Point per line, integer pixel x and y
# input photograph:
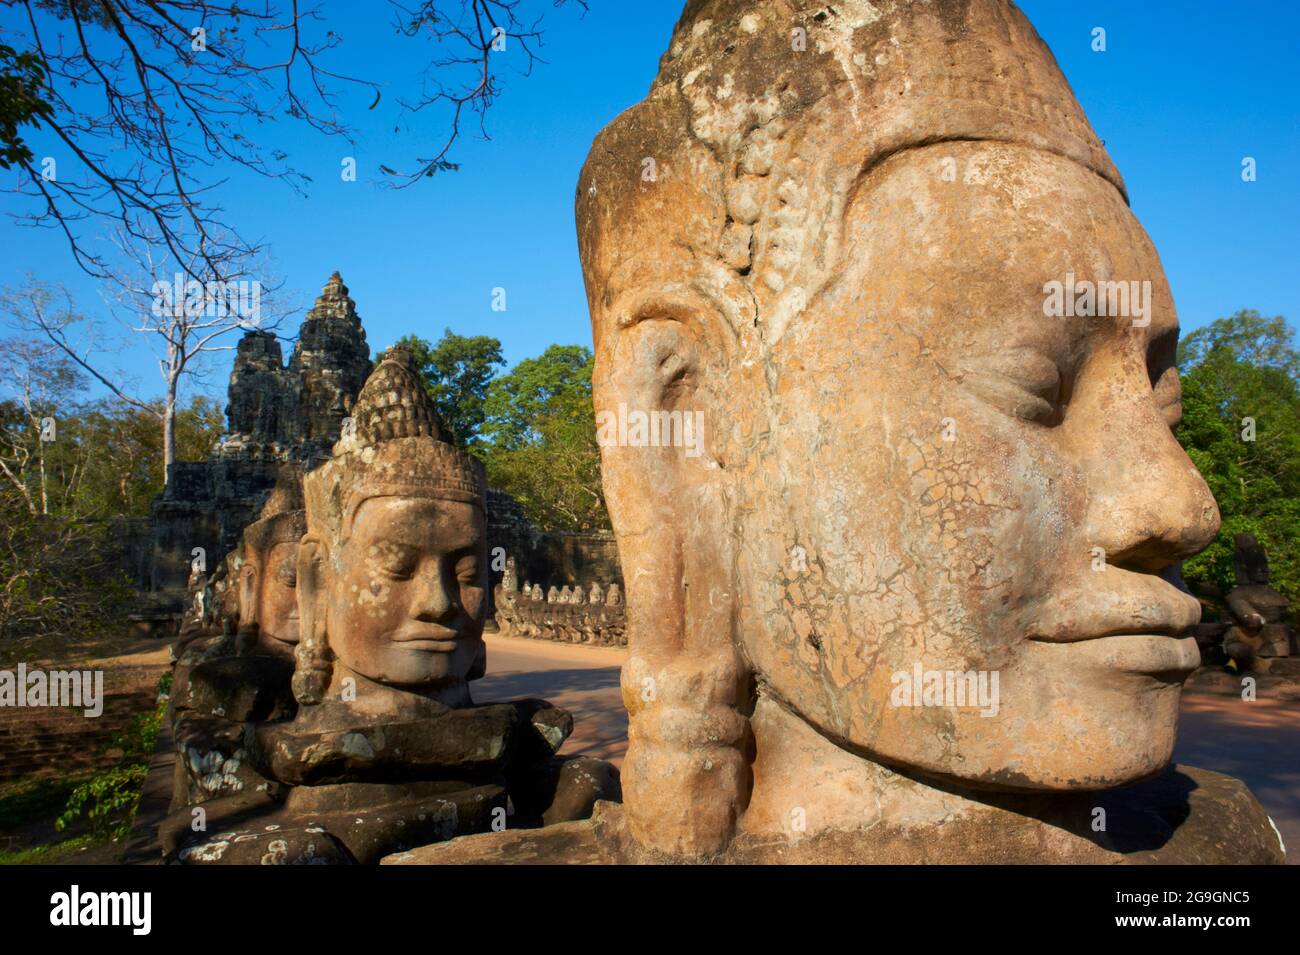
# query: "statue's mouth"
{"type": "Point", "coordinates": [1161, 655]}
{"type": "Point", "coordinates": [1140, 624]}
{"type": "Point", "coordinates": [1125, 604]}
{"type": "Point", "coordinates": [1173, 629]}
{"type": "Point", "coordinates": [430, 637]}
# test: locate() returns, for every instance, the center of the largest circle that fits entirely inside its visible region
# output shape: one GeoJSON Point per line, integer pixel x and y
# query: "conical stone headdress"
{"type": "Point", "coordinates": [398, 447]}
{"type": "Point", "coordinates": [281, 520]}
{"type": "Point", "coordinates": [767, 114]}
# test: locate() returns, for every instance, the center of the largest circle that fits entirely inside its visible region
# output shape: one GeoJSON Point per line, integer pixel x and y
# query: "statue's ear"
{"type": "Point", "coordinates": [248, 594]}
{"type": "Point", "coordinates": [311, 673]}
{"type": "Point", "coordinates": [478, 669]}
{"type": "Point", "coordinates": [310, 587]}
{"type": "Point", "coordinates": [664, 427]}
{"type": "Point", "coordinates": [673, 362]}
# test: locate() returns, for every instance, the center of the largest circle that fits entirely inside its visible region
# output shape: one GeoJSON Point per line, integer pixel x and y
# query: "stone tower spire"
{"type": "Point", "coordinates": [335, 303]}
{"type": "Point", "coordinates": [331, 361]}
{"type": "Point", "coordinates": [257, 411]}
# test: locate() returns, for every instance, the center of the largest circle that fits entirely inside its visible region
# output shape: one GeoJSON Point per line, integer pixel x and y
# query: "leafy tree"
{"type": "Point", "coordinates": [1241, 427]}
{"type": "Point", "coordinates": [128, 451]}
{"type": "Point", "coordinates": [558, 381]}
{"type": "Point", "coordinates": [68, 468]}
{"type": "Point", "coordinates": [543, 449]}
{"type": "Point", "coordinates": [183, 330]}
{"type": "Point", "coordinates": [21, 103]}
{"type": "Point", "coordinates": [456, 373]}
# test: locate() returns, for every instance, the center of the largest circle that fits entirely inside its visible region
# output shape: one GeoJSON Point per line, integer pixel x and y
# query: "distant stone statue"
{"type": "Point", "coordinates": [595, 596]}
{"type": "Point", "coordinates": [1261, 625]}
{"type": "Point", "coordinates": [387, 749]}
{"type": "Point", "coordinates": [221, 684]}
{"type": "Point", "coordinates": [268, 595]}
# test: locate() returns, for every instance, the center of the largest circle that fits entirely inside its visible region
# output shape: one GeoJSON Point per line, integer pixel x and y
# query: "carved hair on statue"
{"type": "Point", "coordinates": [759, 151]}
{"type": "Point", "coordinates": [398, 448]}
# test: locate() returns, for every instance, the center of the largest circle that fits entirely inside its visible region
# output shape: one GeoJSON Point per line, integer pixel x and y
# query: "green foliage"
{"type": "Point", "coordinates": [128, 452]}
{"type": "Point", "coordinates": [105, 456]}
{"type": "Point", "coordinates": [58, 853]}
{"type": "Point", "coordinates": [533, 427]}
{"type": "Point", "coordinates": [22, 80]}
{"type": "Point", "coordinates": [20, 803]}
{"type": "Point", "coordinates": [62, 491]}
{"type": "Point", "coordinates": [558, 382]}
{"type": "Point", "coordinates": [1236, 368]}
{"type": "Point", "coordinates": [542, 450]}
{"type": "Point", "coordinates": [109, 799]}
{"type": "Point", "coordinates": [57, 573]}
{"type": "Point", "coordinates": [456, 372]}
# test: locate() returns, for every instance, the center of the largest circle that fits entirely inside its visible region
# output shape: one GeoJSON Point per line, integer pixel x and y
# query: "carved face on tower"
{"type": "Point", "coordinates": [393, 573]}
{"type": "Point", "coordinates": [919, 468]}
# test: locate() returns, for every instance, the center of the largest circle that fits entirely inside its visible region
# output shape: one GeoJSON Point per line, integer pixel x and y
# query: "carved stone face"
{"type": "Point", "coordinates": [406, 591]}
{"type": "Point", "coordinates": [984, 488]}
{"type": "Point", "coordinates": [277, 596]}
{"type": "Point", "coordinates": [932, 474]}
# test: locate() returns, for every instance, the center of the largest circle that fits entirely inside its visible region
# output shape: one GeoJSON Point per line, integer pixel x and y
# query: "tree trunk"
{"type": "Point", "coordinates": [169, 431]}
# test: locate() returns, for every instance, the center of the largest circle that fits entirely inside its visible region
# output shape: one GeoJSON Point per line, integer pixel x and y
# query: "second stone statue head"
{"type": "Point", "coordinates": [392, 575]}
{"type": "Point", "coordinates": [878, 250]}
{"type": "Point", "coordinates": [267, 575]}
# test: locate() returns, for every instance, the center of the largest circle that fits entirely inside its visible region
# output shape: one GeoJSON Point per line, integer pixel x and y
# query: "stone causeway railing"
{"type": "Point", "coordinates": [593, 615]}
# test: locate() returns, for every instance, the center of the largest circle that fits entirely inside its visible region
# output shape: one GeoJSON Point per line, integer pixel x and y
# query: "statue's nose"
{"type": "Point", "coordinates": [1149, 509]}
{"type": "Point", "coordinates": [432, 602]}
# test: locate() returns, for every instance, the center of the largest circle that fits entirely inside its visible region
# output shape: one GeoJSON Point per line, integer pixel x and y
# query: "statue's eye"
{"type": "Point", "coordinates": [398, 562]}
{"type": "Point", "coordinates": [1022, 382]}
{"type": "Point", "coordinates": [1168, 390]}
{"type": "Point", "coordinates": [288, 574]}
{"type": "Point", "coordinates": [467, 570]}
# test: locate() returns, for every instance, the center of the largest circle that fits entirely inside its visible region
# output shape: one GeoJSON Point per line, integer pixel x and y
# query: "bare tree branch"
{"type": "Point", "coordinates": [148, 99]}
{"type": "Point", "coordinates": [482, 33]}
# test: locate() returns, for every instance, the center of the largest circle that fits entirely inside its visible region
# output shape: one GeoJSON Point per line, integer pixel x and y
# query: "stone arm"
{"type": "Point", "coordinates": [1244, 611]}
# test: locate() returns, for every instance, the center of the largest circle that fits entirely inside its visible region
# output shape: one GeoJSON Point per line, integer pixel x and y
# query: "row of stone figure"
{"type": "Point", "coordinates": [574, 595]}
{"type": "Point", "coordinates": [600, 625]}
{"type": "Point", "coordinates": [314, 725]}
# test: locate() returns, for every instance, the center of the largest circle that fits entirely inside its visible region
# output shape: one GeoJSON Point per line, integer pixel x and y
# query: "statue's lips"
{"type": "Point", "coordinates": [432, 637]}
{"type": "Point", "coordinates": [1127, 603]}
{"type": "Point", "coordinates": [1151, 653]}
{"type": "Point", "coordinates": [1174, 628]}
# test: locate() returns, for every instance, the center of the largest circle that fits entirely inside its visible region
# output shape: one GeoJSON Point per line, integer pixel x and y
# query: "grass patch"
{"type": "Point", "coordinates": [52, 854]}
{"type": "Point", "coordinates": [108, 800]}
{"type": "Point", "coordinates": [23, 802]}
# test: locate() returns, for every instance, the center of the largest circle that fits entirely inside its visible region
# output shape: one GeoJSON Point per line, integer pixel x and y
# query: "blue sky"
{"type": "Point", "coordinates": [1183, 92]}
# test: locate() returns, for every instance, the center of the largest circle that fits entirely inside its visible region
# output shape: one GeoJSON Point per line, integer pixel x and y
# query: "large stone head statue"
{"type": "Point", "coordinates": [268, 596]}
{"type": "Point", "coordinates": [861, 244]}
{"type": "Point", "coordinates": [392, 575]}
